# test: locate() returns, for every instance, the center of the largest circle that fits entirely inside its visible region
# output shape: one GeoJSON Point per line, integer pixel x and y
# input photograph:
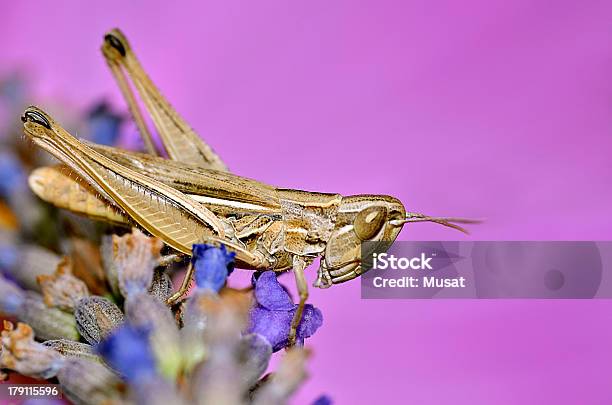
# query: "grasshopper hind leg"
{"type": "Point", "coordinates": [179, 140]}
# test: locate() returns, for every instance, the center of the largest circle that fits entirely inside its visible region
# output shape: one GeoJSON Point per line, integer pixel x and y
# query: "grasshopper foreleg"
{"type": "Point", "coordinates": [184, 286]}
{"type": "Point", "coordinates": [299, 264]}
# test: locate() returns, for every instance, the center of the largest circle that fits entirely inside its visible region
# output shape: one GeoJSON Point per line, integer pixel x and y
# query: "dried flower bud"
{"type": "Point", "coordinates": [70, 348]}
{"type": "Point", "coordinates": [110, 270]}
{"type": "Point", "coordinates": [194, 323]}
{"type": "Point", "coordinates": [33, 261]}
{"type": "Point", "coordinates": [26, 208]}
{"type": "Point", "coordinates": [87, 265]}
{"type": "Point", "coordinates": [21, 353]}
{"type": "Point", "coordinates": [134, 258]}
{"type": "Point", "coordinates": [281, 385]}
{"type": "Point", "coordinates": [161, 287]}
{"type": "Point", "coordinates": [62, 289]}
{"type": "Point", "coordinates": [48, 323]}
{"type": "Point", "coordinates": [11, 297]}
{"type": "Point", "coordinates": [217, 381]}
{"type": "Point", "coordinates": [255, 354]}
{"type": "Point", "coordinates": [156, 391]}
{"type": "Point", "coordinates": [96, 317]}
{"type": "Point", "coordinates": [209, 317]}
{"type": "Point", "coordinates": [90, 383]}
{"type": "Point", "coordinates": [144, 311]}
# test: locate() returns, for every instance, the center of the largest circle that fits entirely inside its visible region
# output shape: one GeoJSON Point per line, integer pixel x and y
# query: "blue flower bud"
{"type": "Point", "coordinates": [212, 265]}
{"type": "Point", "coordinates": [104, 125]}
{"type": "Point", "coordinates": [127, 350]}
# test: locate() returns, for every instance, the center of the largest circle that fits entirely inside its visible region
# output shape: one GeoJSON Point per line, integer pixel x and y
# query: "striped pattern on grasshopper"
{"type": "Point", "coordinates": [193, 198]}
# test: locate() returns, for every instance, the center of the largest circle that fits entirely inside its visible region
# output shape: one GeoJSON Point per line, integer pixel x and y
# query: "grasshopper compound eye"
{"type": "Point", "coordinates": [35, 117]}
{"type": "Point", "coordinates": [369, 222]}
{"type": "Point", "coordinates": [116, 43]}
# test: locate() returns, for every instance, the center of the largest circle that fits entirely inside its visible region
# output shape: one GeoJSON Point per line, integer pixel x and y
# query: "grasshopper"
{"type": "Point", "coordinates": [193, 198]}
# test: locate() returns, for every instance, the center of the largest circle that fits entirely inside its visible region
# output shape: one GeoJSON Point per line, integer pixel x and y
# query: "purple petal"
{"type": "Point", "coordinates": [272, 325]}
{"type": "Point", "coordinates": [270, 294]}
{"type": "Point", "coordinates": [323, 400]}
{"type": "Point", "coordinates": [312, 319]}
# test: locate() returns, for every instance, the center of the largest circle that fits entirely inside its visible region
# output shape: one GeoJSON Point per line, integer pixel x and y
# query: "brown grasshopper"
{"type": "Point", "coordinates": [192, 198]}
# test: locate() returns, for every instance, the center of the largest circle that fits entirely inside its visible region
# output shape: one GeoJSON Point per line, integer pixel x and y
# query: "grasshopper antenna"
{"type": "Point", "coordinates": [450, 222]}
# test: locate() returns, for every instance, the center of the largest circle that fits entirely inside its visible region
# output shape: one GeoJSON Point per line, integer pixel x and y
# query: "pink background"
{"type": "Point", "coordinates": [479, 108]}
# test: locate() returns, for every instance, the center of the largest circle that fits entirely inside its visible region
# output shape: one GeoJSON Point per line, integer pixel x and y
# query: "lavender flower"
{"type": "Point", "coordinates": [41, 401]}
{"type": "Point", "coordinates": [48, 323]}
{"type": "Point", "coordinates": [96, 318]}
{"type": "Point", "coordinates": [127, 350]}
{"type": "Point", "coordinates": [198, 346]}
{"type": "Point", "coordinates": [62, 289]}
{"type": "Point", "coordinates": [31, 262]}
{"type": "Point", "coordinates": [161, 286]}
{"type": "Point", "coordinates": [212, 266]}
{"type": "Point", "coordinates": [13, 89]}
{"type": "Point", "coordinates": [255, 356]}
{"type": "Point", "coordinates": [8, 256]}
{"type": "Point", "coordinates": [70, 348]}
{"type": "Point", "coordinates": [271, 316]}
{"type": "Point", "coordinates": [219, 380]}
{"type": "Point", "coordinates": [145, 311]}
{"type": "Point", "coordinates": [21, 353]}
{"type": "Point", "coordinates": [11, 296]}
{"type": "Point", "coordinates": [104, 125]}
{"type": "Point", "coordinates": [12, 174]}
{"type": "Point", "coordinates": [279, 387]}
{"type": "Point", "coordinates": [134, 256]}
{"type": "Point", "coordinates": [90, 382]}
{"type": "Point", "coordinates": [195, 352]}
{"type": "Point", "coordinates": [323, 400]}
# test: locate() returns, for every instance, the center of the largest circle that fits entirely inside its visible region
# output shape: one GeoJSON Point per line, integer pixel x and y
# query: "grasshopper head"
{"type": "Point", "coordinates": [360, 218]}
{"type": "Point", "coordinates": [366, 218]}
